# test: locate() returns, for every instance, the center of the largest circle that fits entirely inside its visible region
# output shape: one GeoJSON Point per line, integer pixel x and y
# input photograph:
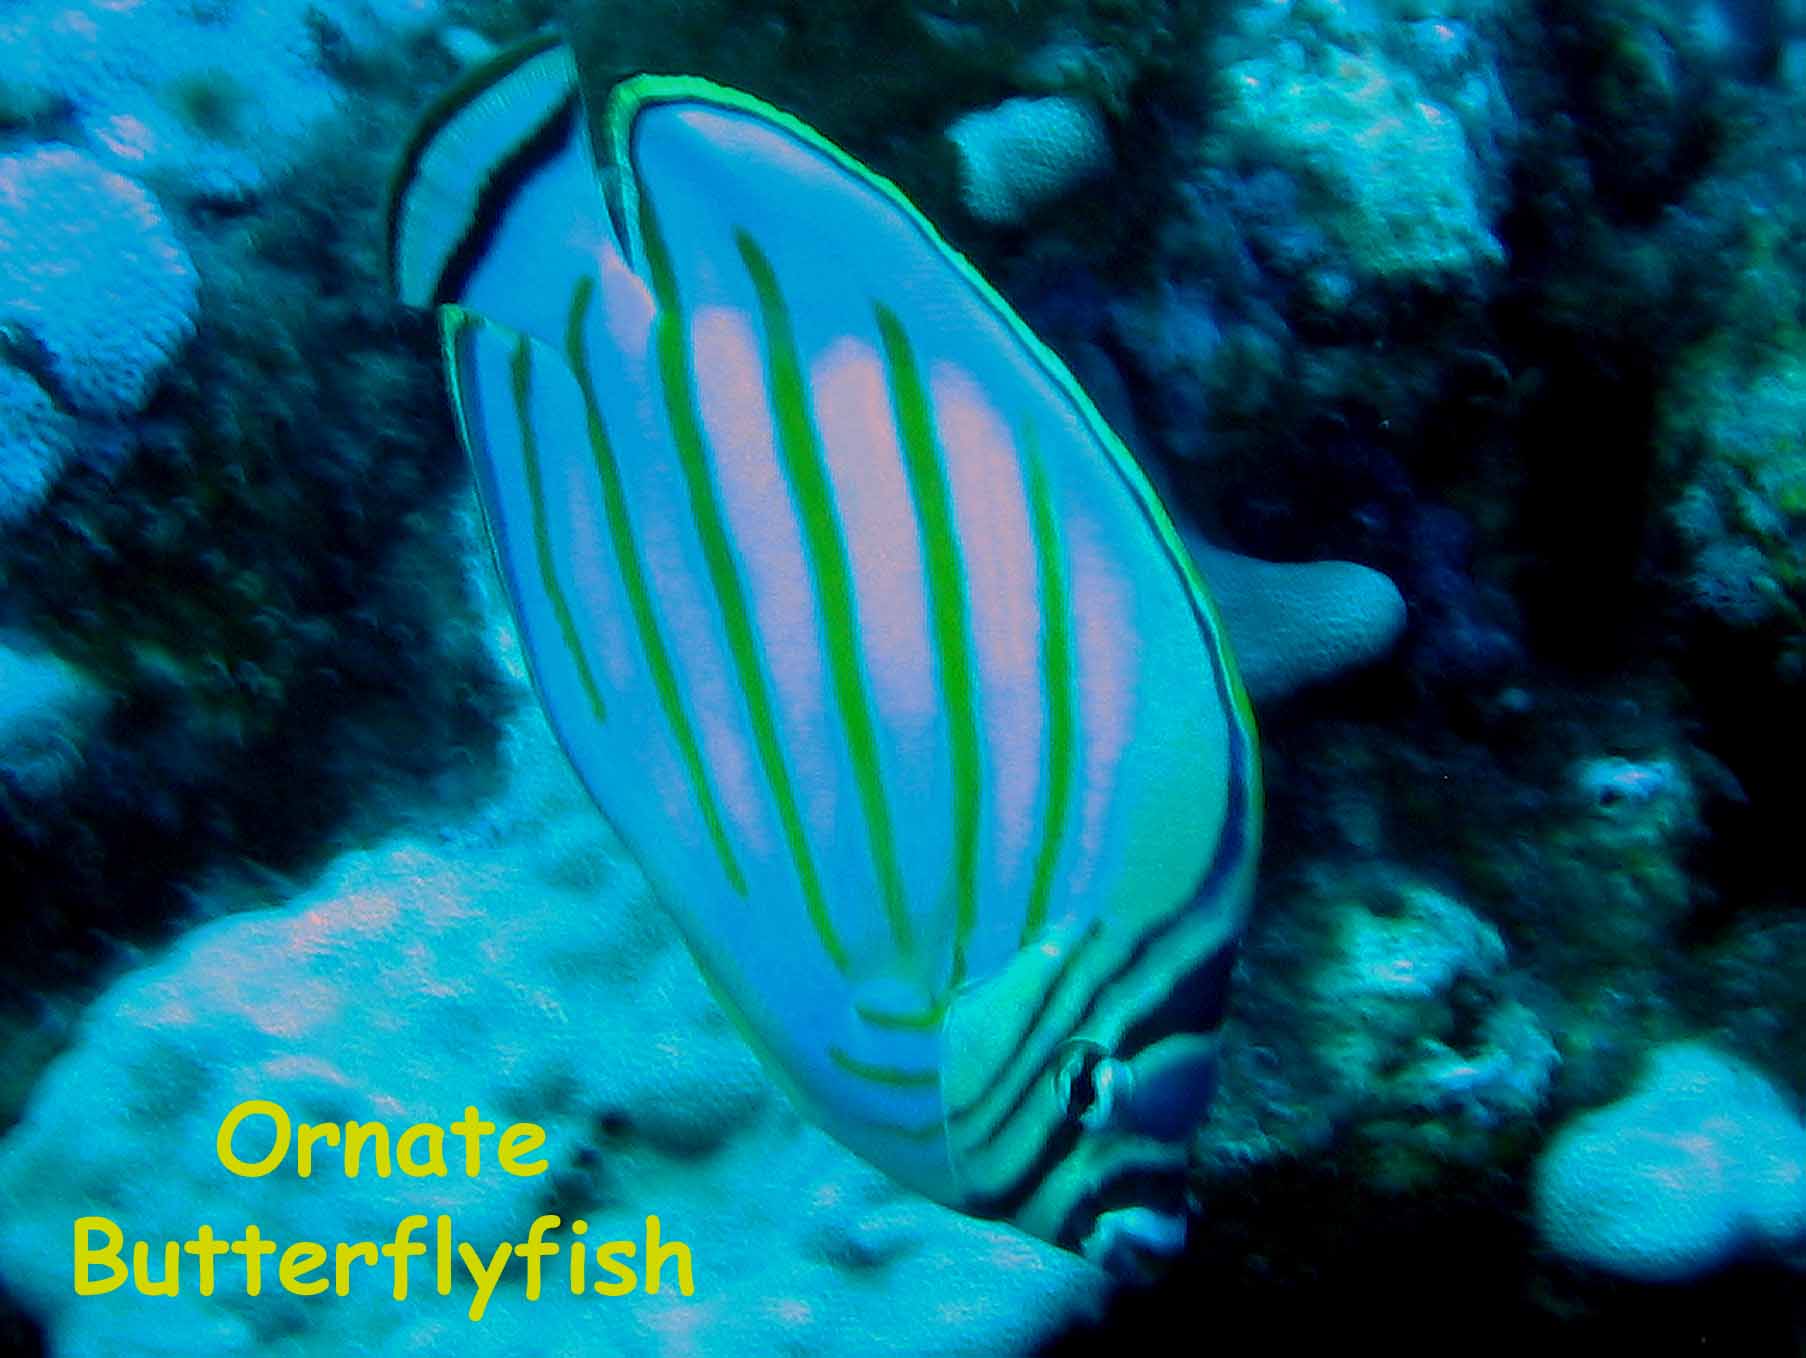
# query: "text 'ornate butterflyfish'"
{"type": "Point", "coordinates": [860, 626]}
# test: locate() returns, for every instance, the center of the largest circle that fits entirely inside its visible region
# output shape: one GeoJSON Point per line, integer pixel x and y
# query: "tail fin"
{"type": "Point", "coordinates": [496, 205]}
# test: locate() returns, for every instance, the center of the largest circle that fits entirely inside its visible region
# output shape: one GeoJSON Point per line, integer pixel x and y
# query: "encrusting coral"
{"type": "Point", "coordinates": [1026, 152]}
{"type": "Point", "coordinates": [1703, 1161]}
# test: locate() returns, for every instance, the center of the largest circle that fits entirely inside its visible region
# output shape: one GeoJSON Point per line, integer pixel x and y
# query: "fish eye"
{"type": "Point", "coordinates": [1089, 1083]}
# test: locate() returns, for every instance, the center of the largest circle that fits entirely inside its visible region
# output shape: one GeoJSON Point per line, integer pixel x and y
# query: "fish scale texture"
{"type": "Point", "coordinates": [515, 964]}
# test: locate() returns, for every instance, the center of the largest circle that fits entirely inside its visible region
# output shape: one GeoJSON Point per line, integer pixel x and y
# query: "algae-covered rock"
{"type": "Point", "coordinates": [1391, 130]}
{"type": "Point", "coordinates": [1742, 515]}
{"type": "Point", "coordinates": [1388, 1014]}
{"type": "Point", "coordinates": [1384, 176]}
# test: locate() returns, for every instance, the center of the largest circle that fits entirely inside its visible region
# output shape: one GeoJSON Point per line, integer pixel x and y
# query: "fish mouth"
{"type": "Point", "coordinates": [1135, 1244]}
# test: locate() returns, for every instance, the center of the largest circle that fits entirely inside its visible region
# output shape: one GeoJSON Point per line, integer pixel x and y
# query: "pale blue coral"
{"type": "Point", "coordinates": [36, 440]}
{"type": "Point", "coordinates": [1703, 1161]}
{"type": "Point", "coordinates": [413, 978]}
{"type": "Point", "coordinates": [211, 96]}
{"type": "Point", "coordinates": [94, 284]}
{"type": "Point", "coordinates": [1027, 152]}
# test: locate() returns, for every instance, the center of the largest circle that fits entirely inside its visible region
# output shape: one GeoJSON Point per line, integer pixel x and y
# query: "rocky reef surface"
{"type": "Point", "coordinates": [1504, 299]}
{"type": "Point", "coordinates": [420, 976]}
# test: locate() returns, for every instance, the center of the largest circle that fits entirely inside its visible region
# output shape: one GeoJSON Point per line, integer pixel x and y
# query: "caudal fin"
{"type": "Point", "coordinates": [496, 205]}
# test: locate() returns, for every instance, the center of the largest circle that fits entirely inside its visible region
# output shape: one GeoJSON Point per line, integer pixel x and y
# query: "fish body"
{"type": "Point", "coordinates": [860, 626]}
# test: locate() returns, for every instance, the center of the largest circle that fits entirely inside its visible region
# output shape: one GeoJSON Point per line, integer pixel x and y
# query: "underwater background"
{"type": "Point", "coordinates": [1504, 299]}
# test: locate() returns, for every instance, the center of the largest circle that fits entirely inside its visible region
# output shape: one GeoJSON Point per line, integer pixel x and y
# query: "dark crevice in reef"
{"type": "Point", "coordinates": [20, 1335]}
{"type": "Point", "coordinates": [1586, 444]}
{"type": "Point", "coordinates": [1622, 239]}
{"type": "Point", "coordinates": [1750, 721]}
{"type": "Point", "coordinates": [1303, 1259]}
{"type": "Point", "coordinates": [1608, 287]}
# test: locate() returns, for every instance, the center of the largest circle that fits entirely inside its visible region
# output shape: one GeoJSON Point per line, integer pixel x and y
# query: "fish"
{"type": "Point", "coordinates": [863, 630]}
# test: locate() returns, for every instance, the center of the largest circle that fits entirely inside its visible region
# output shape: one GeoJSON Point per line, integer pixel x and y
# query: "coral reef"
{"type": "Point", "coordinates": [415, 978]}
{"type": "Point", "coordinates": [97, 296]}
{"type": "Point", "coordinates": [1702, 1161]}
{"type": "Point", "coordinates": [210, 97]}
{"type": "Point", "coordinates": [1380, 186]}
{"type": "Point", "coordinates": [1390, 1016]}
{"type": "Point", "coordinates": [1345, 156]}
{"type": "Point", "coordinates": [91, 279]}
{"type": "Point", "coordinates": [39, 440]}
{"type": "Point", "coordinates": [255, 566]}
{"type": "Point", "coordinates": [1742, 517]}
{"type": "Point", "coordinates": [1756, 40]}
{"type": "Point", "coordinates": [1503, 301]}
{"type": "Point", "coordinates": [1293, 625]}
{"type": "Point", "coordinates": [48, 710]}
{"type": "Point", "coordinates": [1026, 152]}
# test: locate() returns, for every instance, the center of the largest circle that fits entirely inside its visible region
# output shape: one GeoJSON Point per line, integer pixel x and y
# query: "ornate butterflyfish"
{"type": "Point", "coordinates": [860, 626]}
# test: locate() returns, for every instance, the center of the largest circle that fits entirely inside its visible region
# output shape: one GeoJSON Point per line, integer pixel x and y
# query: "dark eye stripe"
{"type": "Point", "coordinates": [1195, 1003]}
{"type": "Point", "coordinates": [1134, 960]}
{"type": "Point", "coordinates": [1080, 1080]}
{"type": "Point", "coordinates": [1234, 846]}
{"type": "Point", "coordinates": [1010, 1201]}
{"type": "Point", "coordinates": [1230, 849]}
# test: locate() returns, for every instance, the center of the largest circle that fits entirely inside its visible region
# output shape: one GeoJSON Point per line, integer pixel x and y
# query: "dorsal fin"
{"type": "Point", "coordinates": [496, 205]}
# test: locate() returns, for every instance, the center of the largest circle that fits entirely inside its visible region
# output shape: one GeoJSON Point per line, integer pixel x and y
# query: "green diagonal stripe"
{"type": "Point", "coordinates": [925, 1021]}
{"type": "Point", "coordinates": [807, 472]}
{"type": "Point", "coordinates": [1057, 682]}
{"type": "Point", "coordinates": [521, 371]}
{"type": "Point", "coordinates": [679, 392]}
{"type": "Point", "coordinates": [893, 1077]}
{"type": "Point", "coordinates": [922, 463]}
{"type": "Point", "coordinates": [639, 597]}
